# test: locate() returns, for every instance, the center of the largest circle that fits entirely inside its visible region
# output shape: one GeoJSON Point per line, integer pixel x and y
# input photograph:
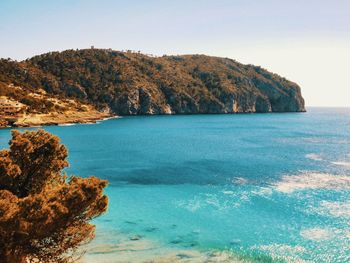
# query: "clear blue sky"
{"type": "Point", "coordinates": [306, 41]}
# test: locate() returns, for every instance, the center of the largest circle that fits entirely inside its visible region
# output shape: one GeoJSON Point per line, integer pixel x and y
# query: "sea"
{"type": "Point", "coordinates": [217, 188]}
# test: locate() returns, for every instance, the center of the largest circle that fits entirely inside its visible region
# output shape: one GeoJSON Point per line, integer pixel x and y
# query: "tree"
{"type": "Point", "coordinates": [44, 214]}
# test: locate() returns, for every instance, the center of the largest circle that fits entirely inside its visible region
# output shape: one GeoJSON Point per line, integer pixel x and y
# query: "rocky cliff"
{"type": "Point", "coordinates": [130, 83]}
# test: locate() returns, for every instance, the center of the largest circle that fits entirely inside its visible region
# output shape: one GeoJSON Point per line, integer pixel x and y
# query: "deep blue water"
{"type": "Point", "coordinates": [271, 185]}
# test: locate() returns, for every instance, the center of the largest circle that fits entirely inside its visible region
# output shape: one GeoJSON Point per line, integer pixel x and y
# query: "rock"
{"type": "Point", "coordinates": [136, 237]}
{"type": "Point", "coordinates": [235, 242]}
{"type": "Point", "coordinates": [130, 222]}
{"type": "Point", "coordinates": [183, 256]}
{"type": "Point", "coordinates": [151, 229]}
{"type": "Point", "coordinates": [176, 241]}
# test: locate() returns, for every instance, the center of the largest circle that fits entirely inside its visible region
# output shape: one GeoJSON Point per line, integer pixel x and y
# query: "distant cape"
{"type": "Point", "coordinates": [131, 83]}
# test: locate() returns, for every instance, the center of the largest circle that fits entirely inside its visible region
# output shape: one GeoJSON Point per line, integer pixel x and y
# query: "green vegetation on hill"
{"type": "Point", "coordinates": [133, 83]}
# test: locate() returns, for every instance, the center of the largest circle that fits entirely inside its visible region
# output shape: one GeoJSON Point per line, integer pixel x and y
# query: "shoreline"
{"type": "Point", "coordinates": [52, 119]}
{"type": "Point", "coordinates": [62, 119]}
{"type": "Point", "coordinates": [40, 120]}
{"type": "Point", "coordinates": [140, 249]}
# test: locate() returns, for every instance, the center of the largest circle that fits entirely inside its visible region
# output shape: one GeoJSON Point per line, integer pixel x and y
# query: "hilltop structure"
{"type": "Point", "coordinates": [10, 111]}
{"type": "Point", "coordinates": [10, 107]}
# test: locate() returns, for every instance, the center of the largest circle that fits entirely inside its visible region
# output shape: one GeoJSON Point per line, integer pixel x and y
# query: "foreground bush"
{"type": "Point", "coordinates": [44, 214]}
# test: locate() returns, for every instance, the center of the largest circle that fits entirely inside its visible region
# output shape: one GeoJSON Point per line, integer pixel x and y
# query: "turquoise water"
{"type": "Point", "coordinates": [255, 186]}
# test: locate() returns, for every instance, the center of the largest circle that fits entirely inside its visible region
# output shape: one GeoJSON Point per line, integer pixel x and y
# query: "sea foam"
{"type": "Point", "coordinates": [344, 164]}
{"type": "Point", "coordinates": [336, 209]}
{"type": "Point", "coordinates": [316, 234]}
{"type": "Point", "coordinates": [314, 181]}
{"type": "Point", "coordinates": [314, 156]}
{"type": "Point", "coordinates": [284, 252]}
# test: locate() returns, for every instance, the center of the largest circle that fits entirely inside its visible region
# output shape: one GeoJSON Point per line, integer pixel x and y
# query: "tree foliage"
{"type": "Point", "coordinates": [44, 214]}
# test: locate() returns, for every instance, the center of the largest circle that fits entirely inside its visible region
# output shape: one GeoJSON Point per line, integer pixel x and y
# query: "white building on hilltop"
{"type": "Point", "coordinates": [10, 107]}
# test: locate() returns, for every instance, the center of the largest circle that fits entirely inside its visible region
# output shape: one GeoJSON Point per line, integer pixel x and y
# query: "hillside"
{"type": "Point", "coordinates": [128, 83]}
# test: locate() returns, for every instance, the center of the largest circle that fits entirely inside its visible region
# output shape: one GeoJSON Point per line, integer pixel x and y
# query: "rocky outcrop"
{"type": "Point", "coordinates": [3, 124]}
{"type": "Point", "coordinates": [136, 84]}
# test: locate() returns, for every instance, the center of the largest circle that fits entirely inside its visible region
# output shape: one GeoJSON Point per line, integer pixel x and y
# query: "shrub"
{"type": "Point", "coordinates": [44, 214]}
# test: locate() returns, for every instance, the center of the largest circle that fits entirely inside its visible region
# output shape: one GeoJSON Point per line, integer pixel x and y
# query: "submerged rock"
{"type": "Point", "coordinates": [151, 229]}
{"type": "Point", "coordinates": [136, 237]}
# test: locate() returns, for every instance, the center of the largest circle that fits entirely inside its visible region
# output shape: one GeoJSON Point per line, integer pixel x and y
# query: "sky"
{"type": "Point", "coordinates": [305, 41]}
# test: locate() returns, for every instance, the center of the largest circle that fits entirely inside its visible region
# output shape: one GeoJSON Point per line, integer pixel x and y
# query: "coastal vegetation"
{"type": "Point", "coordinates": [131, 83]}
{"type": "Point", "coordinates": [44, 214]}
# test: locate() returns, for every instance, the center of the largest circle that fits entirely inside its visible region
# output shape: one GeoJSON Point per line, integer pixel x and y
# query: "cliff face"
{"type": "Point", "coordinates": [132, 83]}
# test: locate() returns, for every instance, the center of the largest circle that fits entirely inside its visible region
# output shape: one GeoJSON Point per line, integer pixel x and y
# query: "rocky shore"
{"type": "Point", "coordinates": [33, 120]}
{"type": "Point", "coordinates": [39, 108]}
